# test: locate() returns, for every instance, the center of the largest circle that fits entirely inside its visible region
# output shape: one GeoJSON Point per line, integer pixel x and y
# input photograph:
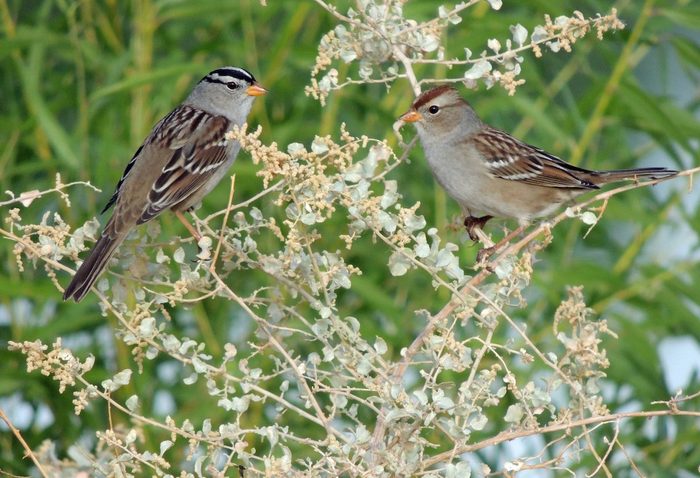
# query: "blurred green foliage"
{"type": "Point", "coordinates": [83, 82]}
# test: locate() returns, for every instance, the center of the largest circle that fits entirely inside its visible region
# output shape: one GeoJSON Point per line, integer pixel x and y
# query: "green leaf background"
{"type": "Point", "coordinates": [83, 82]}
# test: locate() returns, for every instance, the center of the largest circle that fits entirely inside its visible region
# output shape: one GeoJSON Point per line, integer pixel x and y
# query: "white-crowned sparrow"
{"type": "Point", "coordinates": [182, 159]}
{"type": "Point", "coordinates": [490, 172]}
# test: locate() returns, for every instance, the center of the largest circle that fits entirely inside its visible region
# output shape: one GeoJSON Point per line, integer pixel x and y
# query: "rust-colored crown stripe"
{"type": "Point", "coordinates": [431, 95]}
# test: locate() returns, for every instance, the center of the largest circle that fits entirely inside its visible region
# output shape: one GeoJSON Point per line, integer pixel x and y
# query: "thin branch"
{"type": "Point", "coordinates": [223, 224]}
{"type": "Point", "coordinates": [435, 21]}
{"type": "Point", "coordinates": [27, 449]}
{"type": "Point", "coordinates": [334, 11]}
{"type": "Point", "coordinates": [512, 435]}
{"type": "Point", "coordinates": [29, 196]}
{"type": "Point", "coordinates": [629, 459]}
{"type": "Point", "coordinates": [322, 419]}
{"type": "Point", "coordinates": [604, 459]}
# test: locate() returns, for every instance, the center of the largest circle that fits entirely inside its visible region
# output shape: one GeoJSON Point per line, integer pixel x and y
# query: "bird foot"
{"type": "Point", "coordinates": [195, 233]}
{"type": "Point", "coordinates": [482, 259]}
{"type": "Point", "coordinates": [484, 254]}
{"type": "Point", "coordinates": [473, 223]}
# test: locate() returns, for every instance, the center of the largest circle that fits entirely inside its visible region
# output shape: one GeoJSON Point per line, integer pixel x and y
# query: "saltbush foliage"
{"type": "Point", "coordinates": [332, 321]}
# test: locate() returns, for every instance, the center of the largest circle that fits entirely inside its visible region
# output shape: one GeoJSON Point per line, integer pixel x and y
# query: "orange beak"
{"type": "Point", "coordinates": [255, 90]}
{"type": "Point", "coordinates": [411, 117]}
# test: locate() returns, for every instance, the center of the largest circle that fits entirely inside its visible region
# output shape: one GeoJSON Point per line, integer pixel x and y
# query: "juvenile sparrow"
{"type": "Point", "coordinates": [182, 159]}
{"type": "Point", "coordinates": [488, 171]}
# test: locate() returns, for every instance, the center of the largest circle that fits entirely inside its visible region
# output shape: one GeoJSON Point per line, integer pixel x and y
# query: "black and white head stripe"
{"type": "Point", "coordinates": [229, 74]}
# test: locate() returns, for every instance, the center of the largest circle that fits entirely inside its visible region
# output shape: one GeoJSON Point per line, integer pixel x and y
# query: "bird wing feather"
{"type": "Point", "coordinates": [190, 166]}
{"type": "Point", "coordinates": [177, 159]}
{"type": "Point", "coordinates": [511, 159]}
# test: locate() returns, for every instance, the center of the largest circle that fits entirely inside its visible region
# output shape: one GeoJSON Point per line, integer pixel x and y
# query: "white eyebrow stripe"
{"type": "Point", "coordinates": [224, 78]}
{"type": "Point", "coordinates": [229, 74]}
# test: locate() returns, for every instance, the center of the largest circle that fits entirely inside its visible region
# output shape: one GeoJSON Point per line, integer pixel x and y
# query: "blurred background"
{"type": "Point", "coordinates": [83, 82]}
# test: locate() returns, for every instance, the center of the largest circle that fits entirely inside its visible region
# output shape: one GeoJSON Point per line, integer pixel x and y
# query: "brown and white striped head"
{"type": "Point", "coordinates": [439, 111]}
{"type": "Point", "coordinates": [228, 91]}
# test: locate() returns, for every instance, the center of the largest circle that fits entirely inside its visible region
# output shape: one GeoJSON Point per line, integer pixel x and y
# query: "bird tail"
{"type": "Point", "coordinates": [91, 268]}
{"type": "Point", "coordinates": [602, 177]}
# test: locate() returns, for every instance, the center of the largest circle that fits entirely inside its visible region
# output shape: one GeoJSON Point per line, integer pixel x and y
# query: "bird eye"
{"type": "Point", "coordinates": [434, 109]}
{"type": "Point", "coordinates": [231, 86]}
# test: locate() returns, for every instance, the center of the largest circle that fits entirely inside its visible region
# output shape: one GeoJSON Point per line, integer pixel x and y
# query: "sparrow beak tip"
{"type": "Point", "coordinates": [411, 117]}
{"type": "Point", "coordinates": [256, 90]}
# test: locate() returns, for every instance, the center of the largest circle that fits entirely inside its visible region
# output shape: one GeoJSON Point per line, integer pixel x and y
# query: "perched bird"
{"type": "Point", "coordinates": [488, 171]}
{"type": "Point", "coordinates": [182, 159]}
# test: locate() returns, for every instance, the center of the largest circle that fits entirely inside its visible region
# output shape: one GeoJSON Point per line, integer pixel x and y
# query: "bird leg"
{"type": "Point", "coordinates": [472, 223]}
{"type": "Point", "coordinates": [197, 236]}
{"type": "Point", "coordinates": [487, 252]}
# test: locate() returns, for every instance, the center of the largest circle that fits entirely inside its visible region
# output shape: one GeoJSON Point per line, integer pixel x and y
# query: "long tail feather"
{"type": "Point", "coordinates": [633, 174]}
{"type": "Point", "coordinates": [91, 268]}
